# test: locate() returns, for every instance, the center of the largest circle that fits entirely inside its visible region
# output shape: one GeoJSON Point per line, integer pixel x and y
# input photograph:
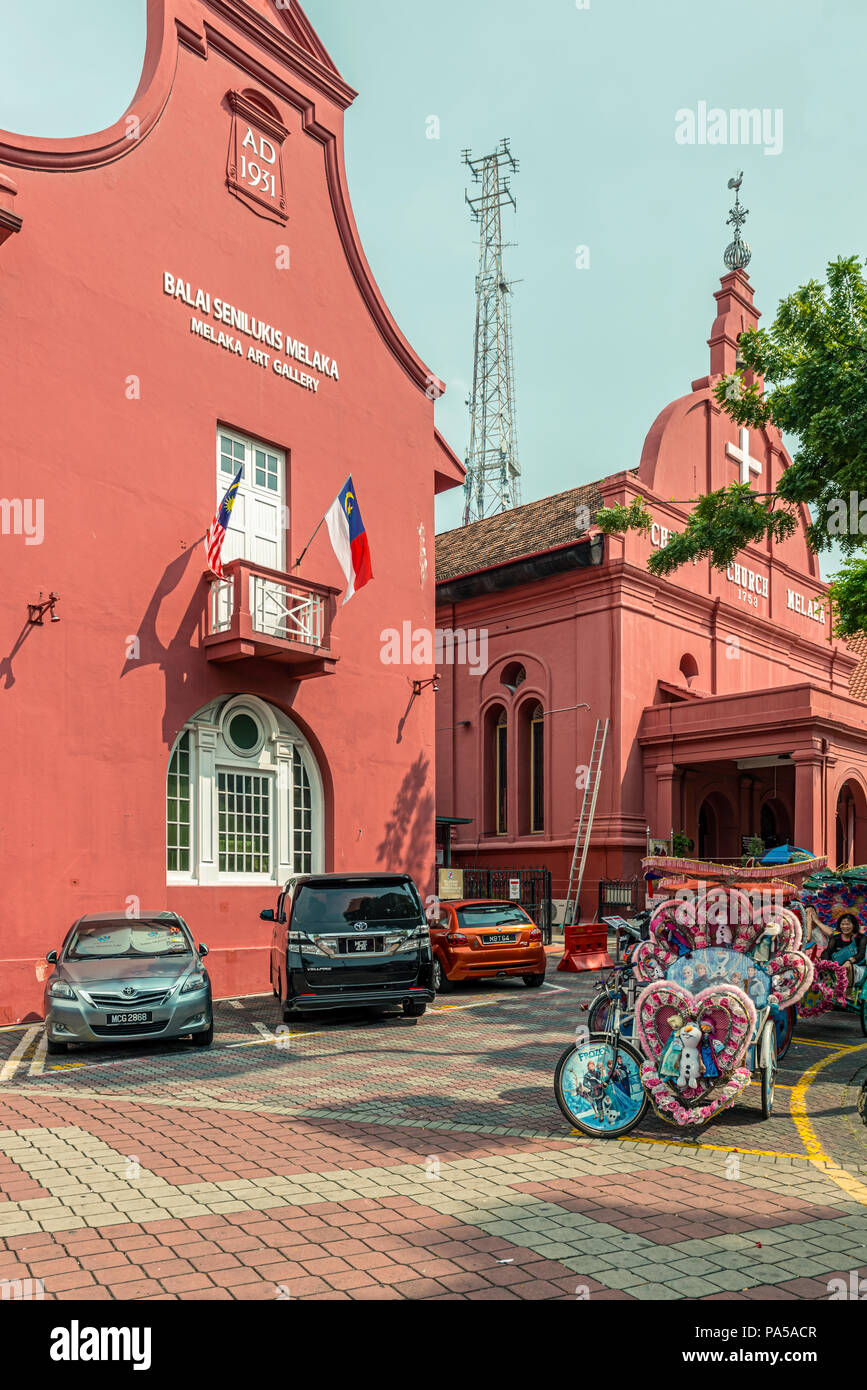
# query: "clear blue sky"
{"type": "Point", "coordinates": [588, 97]}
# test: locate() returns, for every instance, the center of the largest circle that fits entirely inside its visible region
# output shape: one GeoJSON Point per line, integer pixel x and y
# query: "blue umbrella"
{"type": "Point", "coordinates": [782, 853]}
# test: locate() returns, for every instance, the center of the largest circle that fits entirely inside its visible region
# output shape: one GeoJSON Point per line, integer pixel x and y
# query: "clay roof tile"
{"type": "Point", "coordinates": [526, 530]}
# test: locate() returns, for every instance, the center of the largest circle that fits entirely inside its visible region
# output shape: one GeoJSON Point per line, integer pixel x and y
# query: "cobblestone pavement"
{"type": "Point", "coordinates": [382, 1157]}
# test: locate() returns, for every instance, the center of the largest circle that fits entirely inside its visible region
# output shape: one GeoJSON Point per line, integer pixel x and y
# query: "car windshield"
{"type": "Point", "coordinates": [492, 915]}
{"type": "Point", "coordinates": [127, 939]}
{"type": "Point", "coordinates": [349, 905]}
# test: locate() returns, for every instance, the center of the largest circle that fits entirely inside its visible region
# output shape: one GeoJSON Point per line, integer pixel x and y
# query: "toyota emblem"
{"type": "Point", "coordinates": [361, 926]}
{"type": "Point", "coordinates": [128, 991]}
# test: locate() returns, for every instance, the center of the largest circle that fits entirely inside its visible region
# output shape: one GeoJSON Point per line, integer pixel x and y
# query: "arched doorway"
{"type": "Point", "coordinates": [717, 828]}
{"type": "Point", "coordinates": [708, 832]}
{"type": "Point", "coordinates": [851, 821]}
{"type": "Point", "coordinates": [774, 823]}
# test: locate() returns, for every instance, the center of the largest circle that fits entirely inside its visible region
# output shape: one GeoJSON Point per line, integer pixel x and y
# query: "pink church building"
{"type": "Point", "coordinates": [731, 706]}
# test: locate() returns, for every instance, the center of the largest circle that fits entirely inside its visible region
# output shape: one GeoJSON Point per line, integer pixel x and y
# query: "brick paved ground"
{"type": "Point", "coordinates": [392, 1158]}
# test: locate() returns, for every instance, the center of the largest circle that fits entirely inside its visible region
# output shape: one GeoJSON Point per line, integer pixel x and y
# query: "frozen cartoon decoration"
{"type": "Point", "coordinates": [695, 1045]}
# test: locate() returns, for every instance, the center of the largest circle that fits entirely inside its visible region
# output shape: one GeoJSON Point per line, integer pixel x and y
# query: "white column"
{"type": "Point", "coordinates": [205, 739]}
{"type": "Point", "coordinates": [284, 748]}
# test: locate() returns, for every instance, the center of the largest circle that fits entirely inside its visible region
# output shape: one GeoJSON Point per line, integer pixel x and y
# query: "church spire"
{"type": "Point", "coordinates": [735, 310]}
{"type": "Point", "coordinates": [738, 254]}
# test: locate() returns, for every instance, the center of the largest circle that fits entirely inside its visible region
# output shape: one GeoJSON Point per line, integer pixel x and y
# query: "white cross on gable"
{"type": "Point", "coordinates": [742, 456]}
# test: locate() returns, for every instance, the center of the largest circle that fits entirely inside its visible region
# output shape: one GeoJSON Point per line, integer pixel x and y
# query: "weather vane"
{"type": "Point", "coordinates": [738, 254]}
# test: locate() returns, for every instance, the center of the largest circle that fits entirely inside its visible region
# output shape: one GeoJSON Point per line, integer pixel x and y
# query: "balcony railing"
{"type": "Point", "coordinates": [261, 613]}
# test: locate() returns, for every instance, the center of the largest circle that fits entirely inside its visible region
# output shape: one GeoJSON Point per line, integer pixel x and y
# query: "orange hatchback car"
{"type": "Point", "coordinates": [482, 938]}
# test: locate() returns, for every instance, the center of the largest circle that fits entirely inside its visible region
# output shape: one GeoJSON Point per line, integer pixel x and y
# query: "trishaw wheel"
{"type": "Point", "coordinates": [768, 1074]}
{"type": "Point", "coordinates": [598, 1109]}
{"type": "Point", "coordinates": [863, 1015]}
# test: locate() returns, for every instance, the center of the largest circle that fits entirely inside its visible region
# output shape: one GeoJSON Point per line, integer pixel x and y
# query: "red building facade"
{"type": "Point", "coordinates": [730, 704]}
{"type": "Point", "coordinates": [183, 293]}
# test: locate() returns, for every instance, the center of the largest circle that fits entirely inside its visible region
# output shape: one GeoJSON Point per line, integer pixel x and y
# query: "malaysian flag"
{"type": "Point", "coordinates": [219, 527]}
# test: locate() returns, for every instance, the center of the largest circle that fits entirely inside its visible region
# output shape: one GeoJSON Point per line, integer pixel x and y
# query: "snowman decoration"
{"type": "Point", "coordinates": [690, 1054]}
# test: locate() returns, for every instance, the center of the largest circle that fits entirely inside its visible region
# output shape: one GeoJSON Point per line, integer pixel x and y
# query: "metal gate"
{"type": "Point", "coordinates": [535, 891]}
{"type": "Point", "coordinates": [618, 894]}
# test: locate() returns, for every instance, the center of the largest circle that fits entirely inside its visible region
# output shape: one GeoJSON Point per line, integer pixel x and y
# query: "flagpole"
{"type": "Point", "coordinates": [309, 543]}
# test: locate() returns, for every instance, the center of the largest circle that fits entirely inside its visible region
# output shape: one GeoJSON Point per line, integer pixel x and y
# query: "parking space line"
{"type": "Point", "coordinates": [15, 1058]}
{"type": "Point", "coordinates": [37, 1065]}
{"type": "Point", "coordinates": [832, 1046]}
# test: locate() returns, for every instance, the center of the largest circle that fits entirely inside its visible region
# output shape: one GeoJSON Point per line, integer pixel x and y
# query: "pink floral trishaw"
{"type": "Point", "coordinates": [716, 968]}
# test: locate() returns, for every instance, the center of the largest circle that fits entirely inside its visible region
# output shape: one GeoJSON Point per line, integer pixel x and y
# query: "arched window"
{"type": "Point", "coordinates": [513, 676]}
{"type": "Point", "coordinates": [688, 667]}
{"type": "Point", "coordinates": [243, 798]}
{"type": "Point", "coordinates": [537, 771]}
{"type": "Point", "coordinates": [178, 808]}
{"type": "Point", "coordinates": [501, 773]}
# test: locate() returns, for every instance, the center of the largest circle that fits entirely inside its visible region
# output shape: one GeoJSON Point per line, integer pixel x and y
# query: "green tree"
{"type": "Point", "coordinates": [806, 374]}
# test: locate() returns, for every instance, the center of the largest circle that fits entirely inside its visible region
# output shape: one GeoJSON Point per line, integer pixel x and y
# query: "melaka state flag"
{"type": "Point", "coordinates": [219, 526]}
{"type": "Point", "coordinates": [349, 539]}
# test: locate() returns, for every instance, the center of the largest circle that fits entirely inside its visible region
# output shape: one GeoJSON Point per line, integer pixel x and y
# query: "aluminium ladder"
{"type": "Point", "coordinates": [585, 820]}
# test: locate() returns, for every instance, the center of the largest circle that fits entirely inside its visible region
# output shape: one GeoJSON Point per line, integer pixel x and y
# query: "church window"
{"type": "Point", "coordinates": [537, 771]}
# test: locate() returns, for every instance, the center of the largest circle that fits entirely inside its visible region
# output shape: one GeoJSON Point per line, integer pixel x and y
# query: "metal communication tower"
{"type": "Point", "coordinates": [493, 482]}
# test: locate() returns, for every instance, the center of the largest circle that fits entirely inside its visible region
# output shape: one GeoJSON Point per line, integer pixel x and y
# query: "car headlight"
{"type": "Point", "coordinates": [193, 982]}
{"type": "Point", "coordinates": [59, 990]}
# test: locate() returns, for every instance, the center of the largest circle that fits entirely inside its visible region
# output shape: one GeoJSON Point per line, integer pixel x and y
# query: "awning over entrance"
{"type": "Point", "coordinates": [771, 764]}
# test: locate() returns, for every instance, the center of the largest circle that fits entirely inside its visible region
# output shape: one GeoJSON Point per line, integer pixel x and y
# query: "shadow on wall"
{"type": "Point", "coordinates": [406, 846]}
{"type": "Point", "coordinates": [152, 652]}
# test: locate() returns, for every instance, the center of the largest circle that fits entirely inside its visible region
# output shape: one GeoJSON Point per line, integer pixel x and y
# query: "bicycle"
{"type": "Point", "coordinates": [597, 1081]}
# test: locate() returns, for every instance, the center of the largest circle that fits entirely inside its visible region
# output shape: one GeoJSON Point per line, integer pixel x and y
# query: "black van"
{"type": "Point", "coordinates": [349, 941]}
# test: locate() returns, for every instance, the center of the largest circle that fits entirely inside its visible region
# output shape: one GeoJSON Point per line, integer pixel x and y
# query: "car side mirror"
{"type": "Point", "coordinates": [203, 950]}
{"type": "Point", "coordinates": [51, 957]}
{"type": "Point", "coordinates": [267, 915]}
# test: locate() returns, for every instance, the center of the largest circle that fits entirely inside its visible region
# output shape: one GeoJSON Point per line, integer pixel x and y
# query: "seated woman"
{"type": "Point", "coordinates": [815, 930]}
{"type": "Point", "coordinates": [848, 946]}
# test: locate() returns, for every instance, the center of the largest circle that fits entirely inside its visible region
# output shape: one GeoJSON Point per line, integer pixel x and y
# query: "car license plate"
{"type": "Point", "coordinates": [130, 1018]}
{"type": "Point", "coordinates": [498, 940]}
{"type": "Point", "coordinates": [360, 945]}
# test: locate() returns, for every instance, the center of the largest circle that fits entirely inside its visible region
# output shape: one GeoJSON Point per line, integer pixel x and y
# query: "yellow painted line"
{"type": "Point", "coordinates": [14, 1060]}
{"type": "Point", "coordinates": [837, 1047]}
{"type": "Point", "coordinates": [37, 1066]}
{"type": "Point", "coordinates": [716, 1148]}
{"type": "Point", "coordinates": [851, 1185]}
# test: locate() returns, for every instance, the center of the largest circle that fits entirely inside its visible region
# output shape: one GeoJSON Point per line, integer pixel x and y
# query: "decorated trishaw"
{"type": "Point", "coordinates": [838, 898]}
{"type": "Point", "coordinates": [692, 1015]}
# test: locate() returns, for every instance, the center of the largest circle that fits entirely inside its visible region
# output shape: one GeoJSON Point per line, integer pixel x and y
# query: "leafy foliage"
{"type": "Point", "coordinates": [614, 520]}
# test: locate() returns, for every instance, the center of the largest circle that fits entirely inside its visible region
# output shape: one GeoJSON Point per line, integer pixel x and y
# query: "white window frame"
{"type": "Point", "coordinates": [210, 753]}
{"type": "Point", "coordinates": [250, 489]}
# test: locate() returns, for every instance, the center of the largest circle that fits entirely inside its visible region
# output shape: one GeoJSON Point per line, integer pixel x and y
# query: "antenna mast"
{"type": "Point", "coordinates": [493, 482]}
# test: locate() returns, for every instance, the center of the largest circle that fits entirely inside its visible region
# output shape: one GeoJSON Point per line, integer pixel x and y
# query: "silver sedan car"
{"type": "Point", "coordinates": [120, 979]}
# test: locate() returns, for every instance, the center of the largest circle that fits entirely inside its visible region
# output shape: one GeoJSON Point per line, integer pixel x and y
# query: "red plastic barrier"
{"type": "Point", "coordinates": [586, 948]}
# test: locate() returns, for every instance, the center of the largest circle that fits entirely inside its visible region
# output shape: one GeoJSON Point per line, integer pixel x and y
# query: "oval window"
{"type": "Point", "coordinates": [243, 733]}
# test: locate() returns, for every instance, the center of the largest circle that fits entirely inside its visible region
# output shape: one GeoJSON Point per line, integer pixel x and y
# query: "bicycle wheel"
{"type": "Point", "coordinates": [599, 1013]}
{"type": "Point", "coordinates": [600, 1110]}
